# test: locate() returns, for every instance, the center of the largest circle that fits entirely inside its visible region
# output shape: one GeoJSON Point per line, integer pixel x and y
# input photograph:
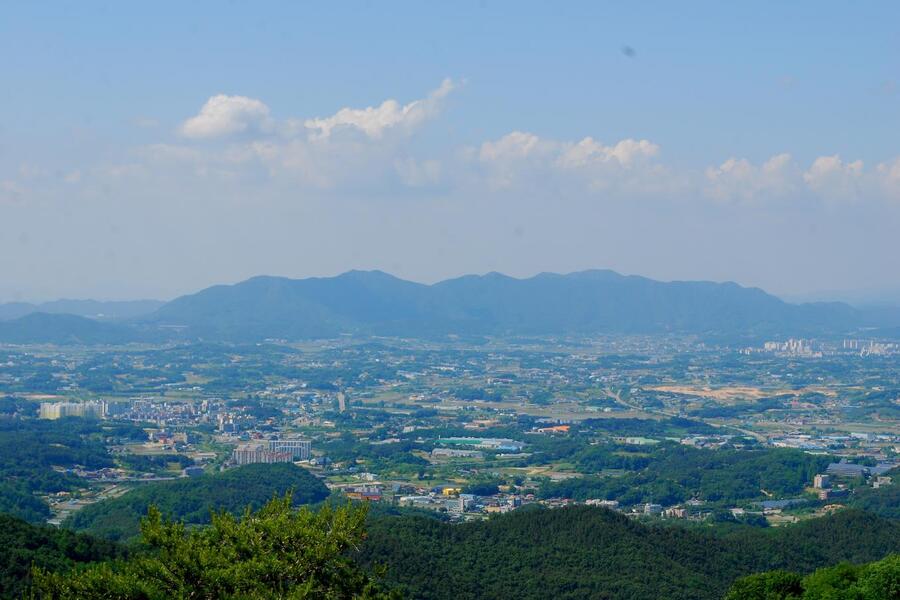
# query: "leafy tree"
{"type": "Point", "coordinates": [774, 585]}
{"type": "Point", "coordinates": [276, 552]}
{"type": "Point", "coordinates": [874, 581]}
{"type": "Point", "coordinates": [881, 579]}
{"type": "Point", "coordinates": [483, 488]}
{"type": "Point", "coordinates": [832, 583]}
{"type": "Point", "coordinates": [24, 546]}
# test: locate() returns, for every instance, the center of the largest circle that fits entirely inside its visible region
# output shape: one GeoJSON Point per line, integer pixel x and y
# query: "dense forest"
{"type": "Point", "coordinates": [24, 546]}
{"type": "Point", "coordinates": [873, 581]}
{"type": "Point", "coordinates": [30, 449]}
{"type": "Point", "coordinates": [575, 552]}
{"type": "Point", "coordinates": [884, 501]}
{"type": "Point", "coordinates": [676, 473]}
{"type": "Point", "coordinates": [192, 499]}
{"type": "Point", "coordinates": [587, 552]}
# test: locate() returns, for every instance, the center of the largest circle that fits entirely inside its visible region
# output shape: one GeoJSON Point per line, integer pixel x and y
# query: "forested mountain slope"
{"type": "Point", "coordinates": [586, 552]}
{"type": "Point", "coordinates": [24, 546]}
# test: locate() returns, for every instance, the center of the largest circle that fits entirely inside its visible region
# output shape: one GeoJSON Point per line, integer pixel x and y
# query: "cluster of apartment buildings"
{"type": "Point", "coordinates": [793, 347]}
{"type": "Point", "coordinates": [272, 451]}
{"type": "Point", "coordinates": [86, 410]}
{"type": "Point", "coordinates": [142, 409]}
{"type": "Point", "coordinates": [817, 349]}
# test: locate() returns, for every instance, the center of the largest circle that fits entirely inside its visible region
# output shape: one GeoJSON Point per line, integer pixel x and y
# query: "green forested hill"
{"type": "Point", "coordinates": [192, 499]}
{"type": "Point", "coordinates": [23, 545]}
{"type": "Point", "coordinates": [873, 581]}
{"type": "Point", "coordinates": [30, 448]}
{"type": "Point", "coordinates": [884, 501]}
{"type": "Point", "coordinates": [577, 552]}
{"type": "Point", "coordinates": [585, 552]}
{"type": "Point", "coordinates": [679, 473]}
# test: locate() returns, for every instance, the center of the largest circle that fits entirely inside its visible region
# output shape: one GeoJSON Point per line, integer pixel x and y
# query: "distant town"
{"type": "Point", "coordinates": [472, 430]}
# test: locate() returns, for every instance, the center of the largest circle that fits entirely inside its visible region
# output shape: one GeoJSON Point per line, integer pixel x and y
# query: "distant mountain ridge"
{"type": "Point", "coordinates": [376, 303]}
{"type": "Point", "coordinates": [62, 329]}
{"type": "Point", "coordinates": [94, 309]}
{"type": "Point", "coordinates": [373, 302]}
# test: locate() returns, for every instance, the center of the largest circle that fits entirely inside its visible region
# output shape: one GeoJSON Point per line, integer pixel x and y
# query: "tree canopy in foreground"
{"type": "Point", "coordinates": [275, 552]}
{"type": "Point", "coordinates": [193, 499]}
{"type": "Point", "coordinates": [874, 581]}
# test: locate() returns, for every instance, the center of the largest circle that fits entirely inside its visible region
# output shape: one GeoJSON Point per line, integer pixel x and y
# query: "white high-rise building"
{"type": "Point", "coordinates": [298, 449]}
{"type": "Point", "coordinates": [248, 454]}
{"type": "Point", "coordinates": [58, 410]}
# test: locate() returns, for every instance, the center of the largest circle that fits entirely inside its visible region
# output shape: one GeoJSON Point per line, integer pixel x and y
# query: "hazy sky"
{"type": "Point", "coordinates": [149, 152]}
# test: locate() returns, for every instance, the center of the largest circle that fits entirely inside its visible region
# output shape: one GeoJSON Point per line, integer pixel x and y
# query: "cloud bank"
{"type": "Point", "coordinates": [371, 146]}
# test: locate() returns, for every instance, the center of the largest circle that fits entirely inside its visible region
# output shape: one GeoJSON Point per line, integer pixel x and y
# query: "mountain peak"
{"type": "Point", "coordinates": [597, 301]}
{"type": "Point", "coordinates": [585, 302]}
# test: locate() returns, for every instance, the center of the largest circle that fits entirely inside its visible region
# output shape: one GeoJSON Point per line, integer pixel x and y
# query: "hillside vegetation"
{"type": "Point", "coordinates": [192, 499]}
{"type": "Point", "coordinates": [873, 581]}
{"type": "Point", "coordinates": [274, 553]}
{"type": "Point", "coordinates": [29, 451]}
{"type": "Point", "coordinates": [587, 552]}
{"type": "Point", "coordinates": [576, 552]}
{"type": "Point", "coordinates": [24, 546]}
{"type": "Point", "coordinates": [678, 473]}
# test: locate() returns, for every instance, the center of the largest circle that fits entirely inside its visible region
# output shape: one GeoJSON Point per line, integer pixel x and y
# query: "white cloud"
{"type": "Point", "coordinates": [739, 179]}
{"type": "Point", "coordinates": [309, 152]}
{"type": "Point", "coordinates": [367, 148]}
{"type": "Point", "coordinates": [888, 174]}
{"type": "Point", "coordinates": [517, 145]}
{"type": "Point", "coordinates": [374, 121]}
{"type": "Point", "coordinates": [521, 156]}
{"type": "Point", "coordinates": [588, 151]}
{"type": "Point", "coordinates": [517, 155]}
{"type": "Point", "coordinates": [828, 178]}
{"type": "Point", "coordinates": [228, 115]}
{"type": "Point", "coordinates": [833, 178]}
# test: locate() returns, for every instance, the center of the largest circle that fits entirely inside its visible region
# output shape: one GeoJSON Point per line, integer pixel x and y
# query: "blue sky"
{"type": "Point", "coordinates": [756, 143]}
